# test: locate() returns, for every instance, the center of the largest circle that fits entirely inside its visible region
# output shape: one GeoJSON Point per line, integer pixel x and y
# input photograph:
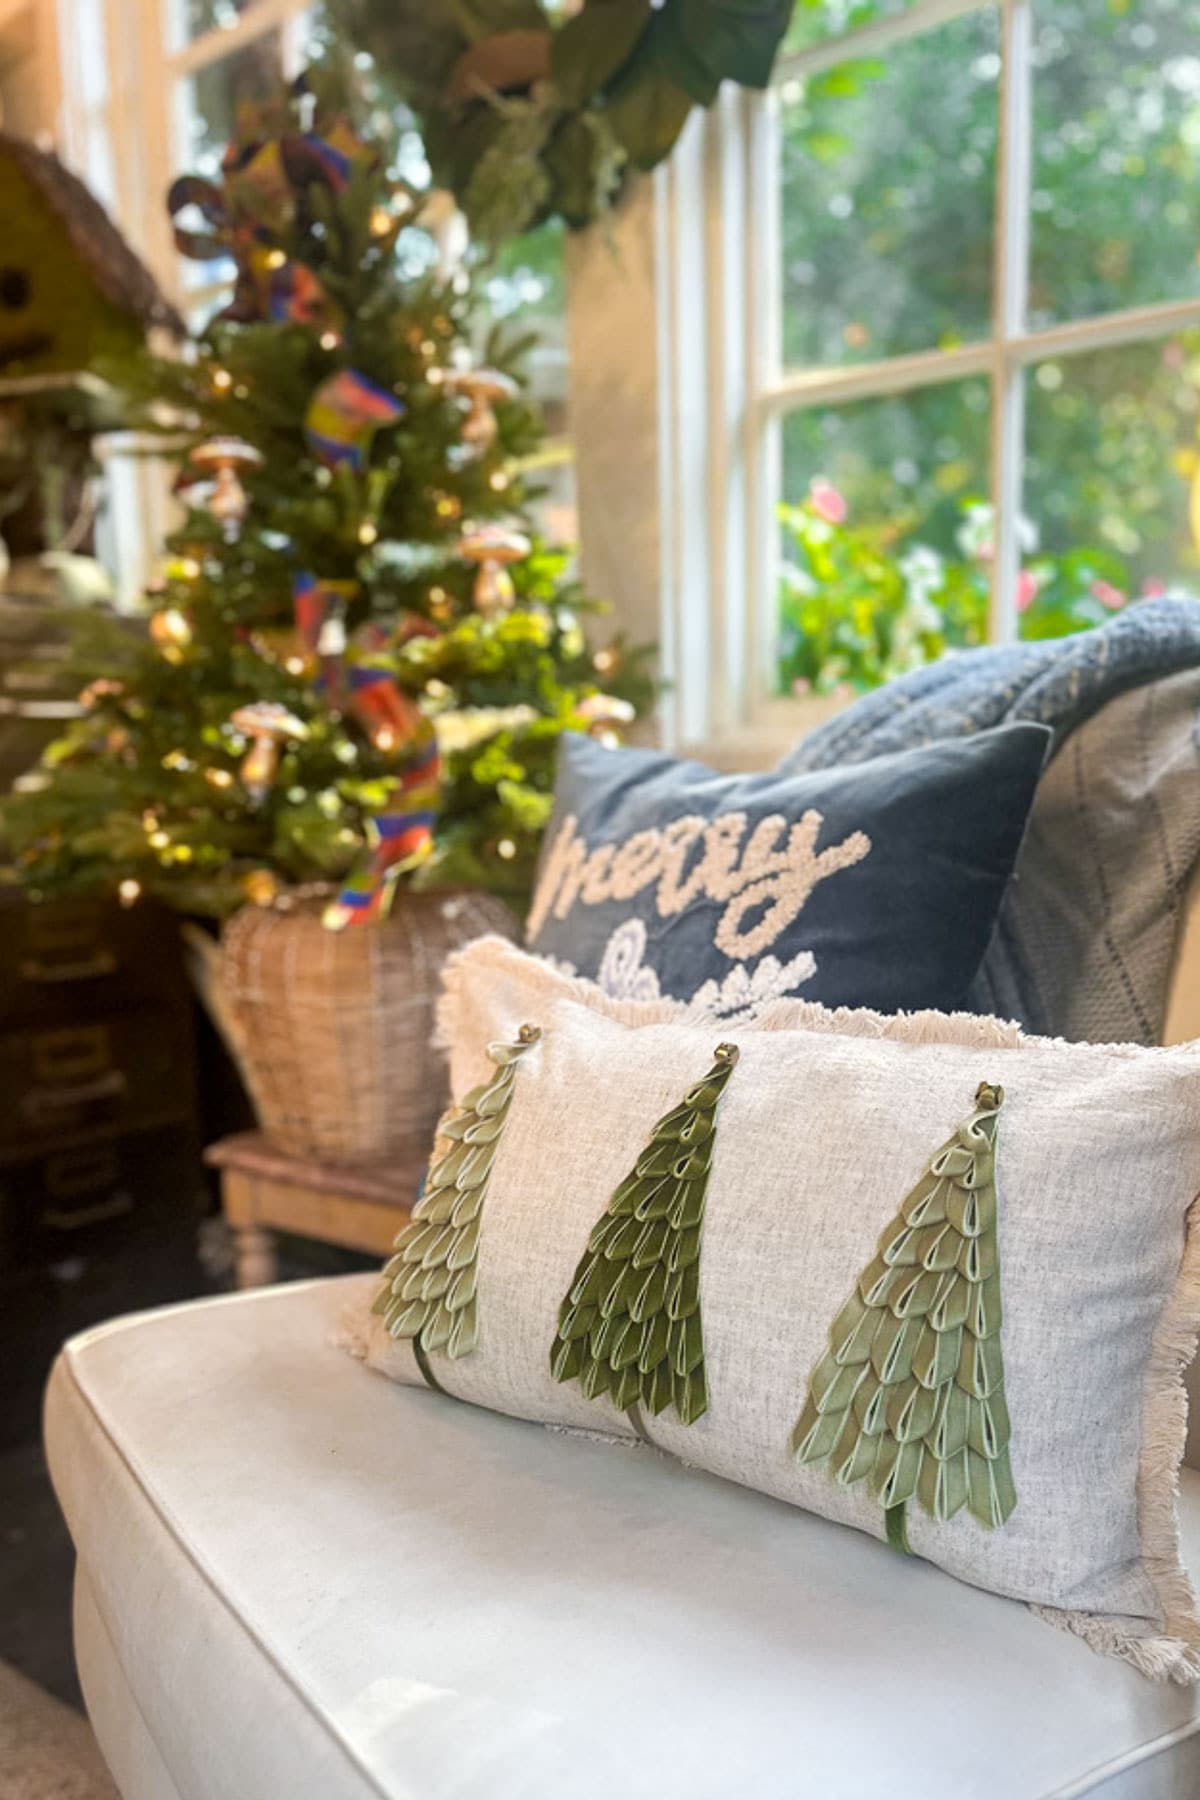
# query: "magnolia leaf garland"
{"type": "Point", "coordinates": [630, 1325]}
{"type": "Point", "coordinates": [428, 1289]}
{"type": "Point", "coordinates": [596, 86]}
{"type": "Point", "coordinates": [910, 1393]}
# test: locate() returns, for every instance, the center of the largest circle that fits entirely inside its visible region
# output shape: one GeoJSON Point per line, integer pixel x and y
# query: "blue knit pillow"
{"type": "Point", "coordinates": [873, 885]}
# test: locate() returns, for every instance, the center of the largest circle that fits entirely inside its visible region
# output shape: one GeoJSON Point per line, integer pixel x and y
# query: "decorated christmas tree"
{"type": "Point", "coordinates": [360, 657]}
{"type": "Point", "coordinates": [428, 1288]}
{"type": "Point", "coordinates": [910, 1393]}
{"type": "Point", "coordinates": [630, 1326]}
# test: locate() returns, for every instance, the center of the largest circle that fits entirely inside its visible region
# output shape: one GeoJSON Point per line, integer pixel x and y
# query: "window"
{"type": "Point", "coordinates": [980, 375]}
{"type": "Point", "coordinates": [943, 278]}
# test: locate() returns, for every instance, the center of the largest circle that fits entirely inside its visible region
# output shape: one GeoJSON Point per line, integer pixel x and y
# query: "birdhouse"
{"type": "Point", "coordinates": [71, 289]}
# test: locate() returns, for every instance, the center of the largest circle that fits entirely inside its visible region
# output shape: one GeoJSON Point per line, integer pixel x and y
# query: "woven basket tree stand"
{"type": "Point", "coordinates": [333, 1029]}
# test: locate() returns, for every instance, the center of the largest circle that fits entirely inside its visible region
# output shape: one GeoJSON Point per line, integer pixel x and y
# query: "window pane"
{"type": "Point", "coordinates": [888, 170]}
{"type": "Point", "coordinates": [527, 292]}
{"type": "Point", "coordinates": [1111, 453]}
{"type": "Point", "coordinates": [1116, 156]}
{"type": "Point", "coordinates": [99, 171]}
{"type": "Point", "coordinates": [885, 535]}
{"type": "Point", "coordinates": [90, 62]}
{"type": "Point", "coordinates": [816, 20]}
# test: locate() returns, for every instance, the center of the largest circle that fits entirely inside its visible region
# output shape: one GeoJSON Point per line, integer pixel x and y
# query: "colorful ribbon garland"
{"type": "Point", "coordinates": [401, 834]}
{"type": "Point", "coordinates": [245, 213]}
{"type": "Point", "coordinates": [343, 416]}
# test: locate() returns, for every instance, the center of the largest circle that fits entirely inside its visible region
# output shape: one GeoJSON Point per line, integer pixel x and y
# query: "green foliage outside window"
{"type": "Point", "coordinates": [858, 605]}
{"type": "Point", "coordinates": [887, 248]}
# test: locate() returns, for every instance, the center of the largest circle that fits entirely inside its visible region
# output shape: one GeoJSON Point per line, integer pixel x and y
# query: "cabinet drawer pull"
{"type": "Point", "coordinates": [81, 1171]}
{"type": "Point", "coordinates": [74, 1054]}
{"type": "Point", "coordinates": [76, 1217]}
{"type": "Point", "coordinates": [45, 1102]}
{"type": "Point", "coordinates": [84, 968]}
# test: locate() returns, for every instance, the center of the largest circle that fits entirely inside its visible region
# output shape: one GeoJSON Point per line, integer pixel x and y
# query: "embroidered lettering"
{"type": "Point", "coordinates": [785, 892]}
{"type": "Point", "coordinates": [561, 878]}
{"type": "Point", "coordinates": [596, 886]}
{"type": "Point", "coordinates": [637, 863]}
{"type": "Point", "coordinates": [674, 889]}
{"type": "Point", "coordinates": [763, 892]}
{"type": "Point", "coordinates": [721, 877]}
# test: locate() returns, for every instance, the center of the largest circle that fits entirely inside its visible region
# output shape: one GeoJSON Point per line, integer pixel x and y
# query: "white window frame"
{"type": "Point", "coordinates": [708, 298]}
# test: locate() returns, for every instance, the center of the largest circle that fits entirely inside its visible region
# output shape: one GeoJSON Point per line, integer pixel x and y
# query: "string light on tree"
{"type": "Point", "coordinates": [260, 887]}
{"type": "Point", "coordinates": [171, 633]}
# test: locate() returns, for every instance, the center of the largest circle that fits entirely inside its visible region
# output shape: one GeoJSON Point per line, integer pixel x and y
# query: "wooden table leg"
{"type": "Point", "coordinates": [254, 1256]}
{"type": "Point", "coordinates": [253, 1243]}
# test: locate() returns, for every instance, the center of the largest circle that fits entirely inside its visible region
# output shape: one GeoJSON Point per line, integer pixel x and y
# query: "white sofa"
{"type": "Point", "coordinates": [298, 1582]}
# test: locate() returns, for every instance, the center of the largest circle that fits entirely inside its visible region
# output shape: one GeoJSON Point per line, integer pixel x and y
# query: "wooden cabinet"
{"type": "Point", "coordinates": [98, 1132]}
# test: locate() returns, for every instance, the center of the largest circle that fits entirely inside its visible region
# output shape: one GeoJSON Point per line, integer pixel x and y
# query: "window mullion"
{"type": "Point", "coordinates": [222, 41]}
{"type": "Point", "coordinates": [1013, 190]}
{"type": "Point", "coordinates": [760, 422]}
{"type": "Point", "coordinates": [873, 39]}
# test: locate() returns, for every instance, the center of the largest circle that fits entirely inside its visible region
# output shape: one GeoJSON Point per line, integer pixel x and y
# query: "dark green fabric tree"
{"type": "Point", "coordinates": [630, 1326]}
{"type": "Point", "coordinates": [909, 1395]}
{"type": "Point", "coordinates": [428, 1289]}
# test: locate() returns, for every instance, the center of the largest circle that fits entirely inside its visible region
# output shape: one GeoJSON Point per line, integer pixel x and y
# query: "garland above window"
{"type": "Point", "coordinates": [528, 116]}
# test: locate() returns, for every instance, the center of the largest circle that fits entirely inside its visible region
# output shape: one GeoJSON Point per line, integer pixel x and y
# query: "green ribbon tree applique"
{"type": "Point", "coordinates": [910, 1393]}
{"type": "Point", "coordinates": [630, 1325]}
{"type": "Point", "coordinates": [428, 1287]}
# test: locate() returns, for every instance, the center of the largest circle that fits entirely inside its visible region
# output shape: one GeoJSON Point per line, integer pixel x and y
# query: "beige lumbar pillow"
{"type": "Point", "coordinates": [920, 1275]}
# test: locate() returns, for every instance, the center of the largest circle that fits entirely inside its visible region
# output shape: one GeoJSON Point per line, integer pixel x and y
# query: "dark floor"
{"type": "Point", "coordinates": [36, 1313]}
{"type": "Point", "coordinates": [37, 1563]}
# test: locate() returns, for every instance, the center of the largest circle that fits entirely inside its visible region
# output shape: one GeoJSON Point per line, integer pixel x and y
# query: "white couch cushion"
{"type": "Point", "coordinates": [321, 1586]}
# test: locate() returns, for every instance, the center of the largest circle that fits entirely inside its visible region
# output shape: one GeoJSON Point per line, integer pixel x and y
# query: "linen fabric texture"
{"type": "Point", "coordinates": [826, 1122]}
{"type": "Point", "coordinates": [1088, 927]}
{"type": "Point", "coordinates": [877, 884]}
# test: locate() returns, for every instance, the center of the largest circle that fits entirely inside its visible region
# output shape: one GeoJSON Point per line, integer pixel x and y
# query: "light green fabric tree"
{"type": "Point", "coordinates": [910, 1393]}
{"type": "Point", "coordinates": [630, 1326]}
{"type": "Point", "coordinates": [428, 1290]}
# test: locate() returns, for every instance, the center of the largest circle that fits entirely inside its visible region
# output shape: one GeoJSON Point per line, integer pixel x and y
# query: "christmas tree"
{"type": "Point", "coordinates": [360, 657]}
{"type": "Point", "coordinates": [428, 1290]}
{"type": "Point", "coordinates": [630, 1326]}
{"type": "Point", "coordinates": [910, 1393]}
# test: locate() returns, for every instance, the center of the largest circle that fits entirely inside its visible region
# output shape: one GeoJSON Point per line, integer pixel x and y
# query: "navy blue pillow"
{"type": "Point", "coordinates": [876, 884]}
